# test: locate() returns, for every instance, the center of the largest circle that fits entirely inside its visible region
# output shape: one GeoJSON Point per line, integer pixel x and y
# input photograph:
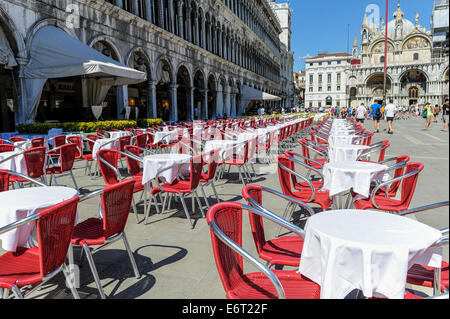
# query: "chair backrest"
{"type": "Point", "coordinates": [37, 142]}
{"type": "Point", "coordinates": [228, 218]}
{"type": "Point", "coordinates": [6, 148]}
{"type": "Point", "coordinates": [386, 144]}
{"type": "Point", "coordinates": [67, 156]}
{"type": "Point", "coordinates": [256, 222]}
{"type": "Point", "coordinates": [141, 140]}
{"type": "Point", "coordinates": [59, 140]}
{"type": "Point", "coordinates": [124, 141]}
{"type": "Point", "coordinates": [398, 172]}
{"type": "Point", "coordinates": [409, 183]}
{"type": "Point", "coordinates": [116, 204]}
{"type": "Point", "coordinates": [35, 161]}
{"type": "Point", "coordinates": [54, 232]}
{"type": "Point", "coordinates": [133, 165]}
{"type": "Point", "coordinates": [4, 180]}
{"type": "Point", "coordinates": [251, 148]}
{"type": "Point", "coordinates": [284, 175]}
{"type": "Point", "coordinates": [212, 160]}
{"type": "Point", "coordinates": [15, 139]}
{"type": "Point", "coordinates": [111, 156]}
{"type": "Point", "coordinates": [78, 141]}
{"type": "Point", "coordinates": [91, 138]}
{"type": "Point", "coordinates": [196, 170]}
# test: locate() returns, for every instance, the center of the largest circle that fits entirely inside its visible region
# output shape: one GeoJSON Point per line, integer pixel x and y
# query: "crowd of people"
{"type": "Point", "coordinates": [391, 111]}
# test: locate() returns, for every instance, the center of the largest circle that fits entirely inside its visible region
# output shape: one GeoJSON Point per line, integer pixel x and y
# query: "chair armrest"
{"type": "Point", "coordinates": [306, 165]}
{"type": "Point", "coordinates": [392, 159]}
{"type": "Point", "coordinates": [384, 184]}
{"type": "Point", "coordinates": [313, 189]}
{"type": "Point", "coordinates": [11, 157]}
{"type": "Point", "coordinates": [119, 176]}
{"type": "Point", "coordinates": [423, 208]}
{"type": "Point", "coordinates": [27, 178]}
{"type": "Point", "coordinates": [131, 155]}
{"type": "Point", "coordinates": [238, 249]}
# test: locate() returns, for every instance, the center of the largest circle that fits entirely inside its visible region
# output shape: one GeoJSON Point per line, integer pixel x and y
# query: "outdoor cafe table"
{"type": "Point", "coordinates": [15, 164]}
{"type": "Point", "coordinates": [345, 152]}
{"type": "Point", "coordinates": [341, 177]}
{"type": "Point", "coordinates": [118, 134]}
{"type": "Point", "coordinates": [365, 250]}
{"type": "Point", "coordinates": [334, 139]}
{"type": "Point", "coordinates": [110, 143]}
{"type": "Point", "coordinates": [153, 164]}
{"type": "Point", "coordinates": [20, 203]}
{"type": "Point", "coordinates": [227, 147]}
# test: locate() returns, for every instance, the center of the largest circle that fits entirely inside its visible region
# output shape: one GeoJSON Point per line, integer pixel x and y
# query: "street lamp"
{"type": "Point", "coordinates": [385, 52]}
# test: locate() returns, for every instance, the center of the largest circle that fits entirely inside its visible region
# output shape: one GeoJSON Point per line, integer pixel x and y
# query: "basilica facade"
{"type": "Point", "coordinates": [416, 74]}
{"type": "Point", "coordinates": [198, 55]}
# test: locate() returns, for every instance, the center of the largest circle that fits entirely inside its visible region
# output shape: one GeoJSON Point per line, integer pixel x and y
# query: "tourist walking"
{"type": "Point", "coordinates": [427, 113]}
{"type": "Point", "coordinates": [376, 115]}
{"type": "Point", "coordinates": [361, 113]}
{"type": "Point", "coordinates": [445, 115]}
{"type": "Point", "coordinates": [436, 111]}
{"type": "Point", "coordinates": [391, 110]}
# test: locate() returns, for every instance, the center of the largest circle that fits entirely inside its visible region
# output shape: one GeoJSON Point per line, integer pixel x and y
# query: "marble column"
{"type": "Point", "coordinates": [148, 9]}
{"type": "Point", "coordinates": [190, 103]}
{"type": "Point", "coordinates": [219, 100]}
{"type": "Point", "coordinates": [173, 102]}
{"type": "Point", "coordinates": [196, 38]}
{"type": "Point", "coordinates": [188, 24]}
{"type": "Point", "coordinates": [233, 105]}
{"type": "Point", "coordinates": [151, 108]}
{"type": "Point", "coordinates": [171, 22]}
{"type": "Point", "coordinates": [204, 114]}
{"type": "Point", "coordinates": [227, 99]}
{"type": "Point", "coordinates": [160, 14]}
{"type": "Point", "coordinates": [180, 19]}
{"type": "Point", "coordinates": [203, 33]}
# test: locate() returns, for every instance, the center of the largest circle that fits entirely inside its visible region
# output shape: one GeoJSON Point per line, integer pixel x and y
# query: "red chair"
{"type": "Point", "coordinates": [58, 141]}
{"type": "Point", "coordinates": [225, 222]}
{"type": "Point", "coordinates": [141, 140]}
{"type": "Point", "coordinates": [37, 142]}
{"type": "Point", "coordinates": [35, 163]}
{"type": "Point", "coordinates": [285, 251]}
{"type": "Point", "coordinates": [116, 203]}
{"type": "Point", "coordinates": [15, 139]}
{"type": "Point", "coordinates": [78, 141]}
{"type": "Point", "coordinates": [184, 187]}
{"type": "Point", "coordinates": [380, 147]}
{"type": "Point", "coordinates": [90, 138]}
{"type": "Point", "coordinates": [34, 266]}
{"type": "Point", "coordinates": [318, 183]}
{"type": "Point", "coordinates": [6, 148]}
{"type": "Point", "coordinates": [307, 195]}
{"type": "Point", "coordinates": [212, 160]}
{"type": "Point", "coordinates": [383, 202]}
{"type": "Point", "coordinates": [317, 162]}
{"type": "Point", "coordinates": [425, 276]}
{"type": "Point", "coordinates": [123, 141]}
{"type": "Point", "coordinates": [239, 159]}
{"type": "Point", "coordinates": [4, 180]}
{"type": "Point", "coordinates": [394, 187]}
{"type": "Point", "coordinates": [66, 154]}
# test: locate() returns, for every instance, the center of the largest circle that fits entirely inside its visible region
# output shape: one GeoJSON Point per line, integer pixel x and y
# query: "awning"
{"type": "Point", "coordinates": [56, 54]}
{"type": "Point", "coordinates": [6, 54]}
{"type": "Point", "coordinates": [252, 94]}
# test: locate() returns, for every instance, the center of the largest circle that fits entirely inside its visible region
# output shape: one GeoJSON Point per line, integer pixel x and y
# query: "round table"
{"type": "Point", "coordinates": [118, 134]}
{"type": "Point", "coordinates": [345, 152]}
{"type": "Point", "coordinates": [20, 203]}
{"type": "Point", "coordinates": [227, 148]}
{"type": "Point", "coordinates": [106, 143]}
{"type": "Point", "coordinates": [341, 177]}
{"type": "Point", "coordinates": [153, 164]}
{"type": "Point", "coordinates": [343, 139]}
{"type": "Point", "coordinates": [366, 250]}
{"type": "Point", "coordinates": [15, 164]}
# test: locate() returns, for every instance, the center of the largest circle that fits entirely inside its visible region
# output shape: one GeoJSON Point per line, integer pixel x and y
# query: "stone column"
{"type": "Point", "coordinates": [190, 103]}
{"type": "Point", "coordinates": [210, 37]}
{"type": "Point", "coordinates": [204, 114]}
{"type": "Point", "coordinates": [233, 105]}
{"type": "Point", "coordinates": [160, 14]}
{"type": "Point", "coordinates": [171, 22]}
{"type": "Point", "coordinates": [188, 24]}
{"type": "Point", "coordinates": [135, 7]}
{"type": "Point", "coordinates": [148, 9]}
{"type": "Point", "coordinates": [122, 100]}
{"type": "Point", "coordinates": [219, 100]}
{"type": "Point", "coordinates": [203, 34]}
{"type": "Point", "coordinates": [173, 102]}
{"type": "Point", "coordinates": [219, 41]}
{"type": "Point", "coordinates": [227, 107]}
{"type": "Point", "coordinates": [180, 18]}
{"type": "Point", "coordinates": [151, 108]}
{"type": "Point", "coordinates": [196, 38]}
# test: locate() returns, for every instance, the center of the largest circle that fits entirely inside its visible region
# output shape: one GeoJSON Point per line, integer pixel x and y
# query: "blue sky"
{"type": "Point", "coordinates": [321, 25]}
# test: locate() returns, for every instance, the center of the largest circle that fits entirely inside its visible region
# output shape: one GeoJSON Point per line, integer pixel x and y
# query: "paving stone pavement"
{"type": "Point", "coordinates": [176, 262]}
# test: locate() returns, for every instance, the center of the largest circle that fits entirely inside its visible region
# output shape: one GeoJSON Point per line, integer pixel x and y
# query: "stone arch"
{"type": "Point", "coordinates": [184, 84]}
{"type": "Point", "coordinates": [375, 84]}
{"type": "Point", "coordinates": [105, 45]}
{"type": "Point", "coordinates": [412, 36]}
{"type": "Point", "coordinates": [14, 37]}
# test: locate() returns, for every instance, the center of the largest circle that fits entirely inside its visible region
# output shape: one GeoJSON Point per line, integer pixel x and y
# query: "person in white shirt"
{"type": "Point", "coordinates": [391, 110]}
{"type": "Point", "coordinates": [361, 113]}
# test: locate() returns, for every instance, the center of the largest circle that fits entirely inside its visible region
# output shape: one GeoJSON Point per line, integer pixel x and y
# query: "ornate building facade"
{"type": "Point", "coordinates": [198, 56]}
{"type": "Point", "coordinates": [415, 74]}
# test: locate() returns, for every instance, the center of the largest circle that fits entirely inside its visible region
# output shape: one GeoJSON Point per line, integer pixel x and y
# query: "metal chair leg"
{"type": "Point", "coordinates": [204, 196]}
{"type": "Point", "coordinates": [199, 203]}
{"type": "Point", "coordinates": [16, 292]}
{"type": "Point", "coordinates": [130, 254]}
{"type": "Point", "coordinates": [186, 210]}
{"type": "Point", "coordinates": [215, 191]}
{"type": "Point", "coordinates": [135, 211]}
{"type": "Point", "coordinates": [69, 278]}
{"type": "Point", "coordinates": [74, 181]}
{"type": "Point", "coordinates": [94, 271]}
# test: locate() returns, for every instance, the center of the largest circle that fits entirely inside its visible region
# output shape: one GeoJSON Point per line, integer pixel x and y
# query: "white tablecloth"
{"type": "Point", "coordinates": [366, 250]}
{"type": "Point", "coordinates": [227, 148]}
{"type": "Point", "coordinates": [21, 203]}
{"type": "Point", "coordinates": [343, 139]}
{"type": "Point", "coordinates": [103, 144]}
{"type": "Point", "coordinates": [118, 134]}
{"type": "Point", "coordinates": [155, 163]}
{"type": "Point", "coordinates": [165, 136]}
{"type": "Point", "coordinates": [22, 146]}
{"type": "Point", "coordinates": [345, 152]}
{"type": "Point", "coordinates": [342, 176]}
{"type": "Point", "coordinates": [16, 164]}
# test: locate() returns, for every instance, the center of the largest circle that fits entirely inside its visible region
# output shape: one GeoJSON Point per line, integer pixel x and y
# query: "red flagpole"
{"type": "Point", "coordinates": [385, 49]}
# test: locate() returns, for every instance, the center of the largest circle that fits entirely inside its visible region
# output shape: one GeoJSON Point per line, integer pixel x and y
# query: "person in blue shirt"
{"type": "Point", "coordinates": [376, 115]}
{"type": "Point", "coordinates": [349, 112]}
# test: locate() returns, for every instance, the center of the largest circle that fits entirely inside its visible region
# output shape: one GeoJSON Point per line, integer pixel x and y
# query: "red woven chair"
{"type": "Point", "coordinates": [394, 187]}
{"type": "Point", "coordinates": [123, 141]}
{"type": "Point", "coordinates": [297, 159]}
{"type": "Point", "coordinates": [425, 276]}
{"type": "Point", "coordinates": [15, 139]}
{"type": "Point", "coordinates": [285, 251]}
{"type": "Point", "coordinates": [212, 160]}
{"type": "Point", "coordinates": [4, 180]}
{"type": "Point", "coordinates": [225, 222]}
{"type": "Point", "coordinates": [383, 202]}
{"type": "Point", "coordinates": [184, 187]}
{"type": "Point", "coordinates": [34, 266]}
{"type": "Point", "coordinates": [78, 141]}
{"type": "Point", "coordinates": [6, 148]}
{"type": "Point", "coordinates": [380, 147]}
{"type": "Point", "coordinates": [141, 140]}
{"type": "Point", "coordinates": [239, 160]}
{"type": "Point", "coordinates": [116, 203]}
{"type": "Point", "coordinates": [90, 138]}
{"type": "Point", "coordinates": [37, 142]}
{"type": "Point", "coordinates": [66, 154]}
{"type": "Point", "coordinates": [307, 195]}
{"type": "Point", "coordinates": [35, 162]}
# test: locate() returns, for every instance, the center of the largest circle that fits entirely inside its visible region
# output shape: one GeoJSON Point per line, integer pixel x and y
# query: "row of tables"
{"type": "Point", "coordinates": [350, 249]}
